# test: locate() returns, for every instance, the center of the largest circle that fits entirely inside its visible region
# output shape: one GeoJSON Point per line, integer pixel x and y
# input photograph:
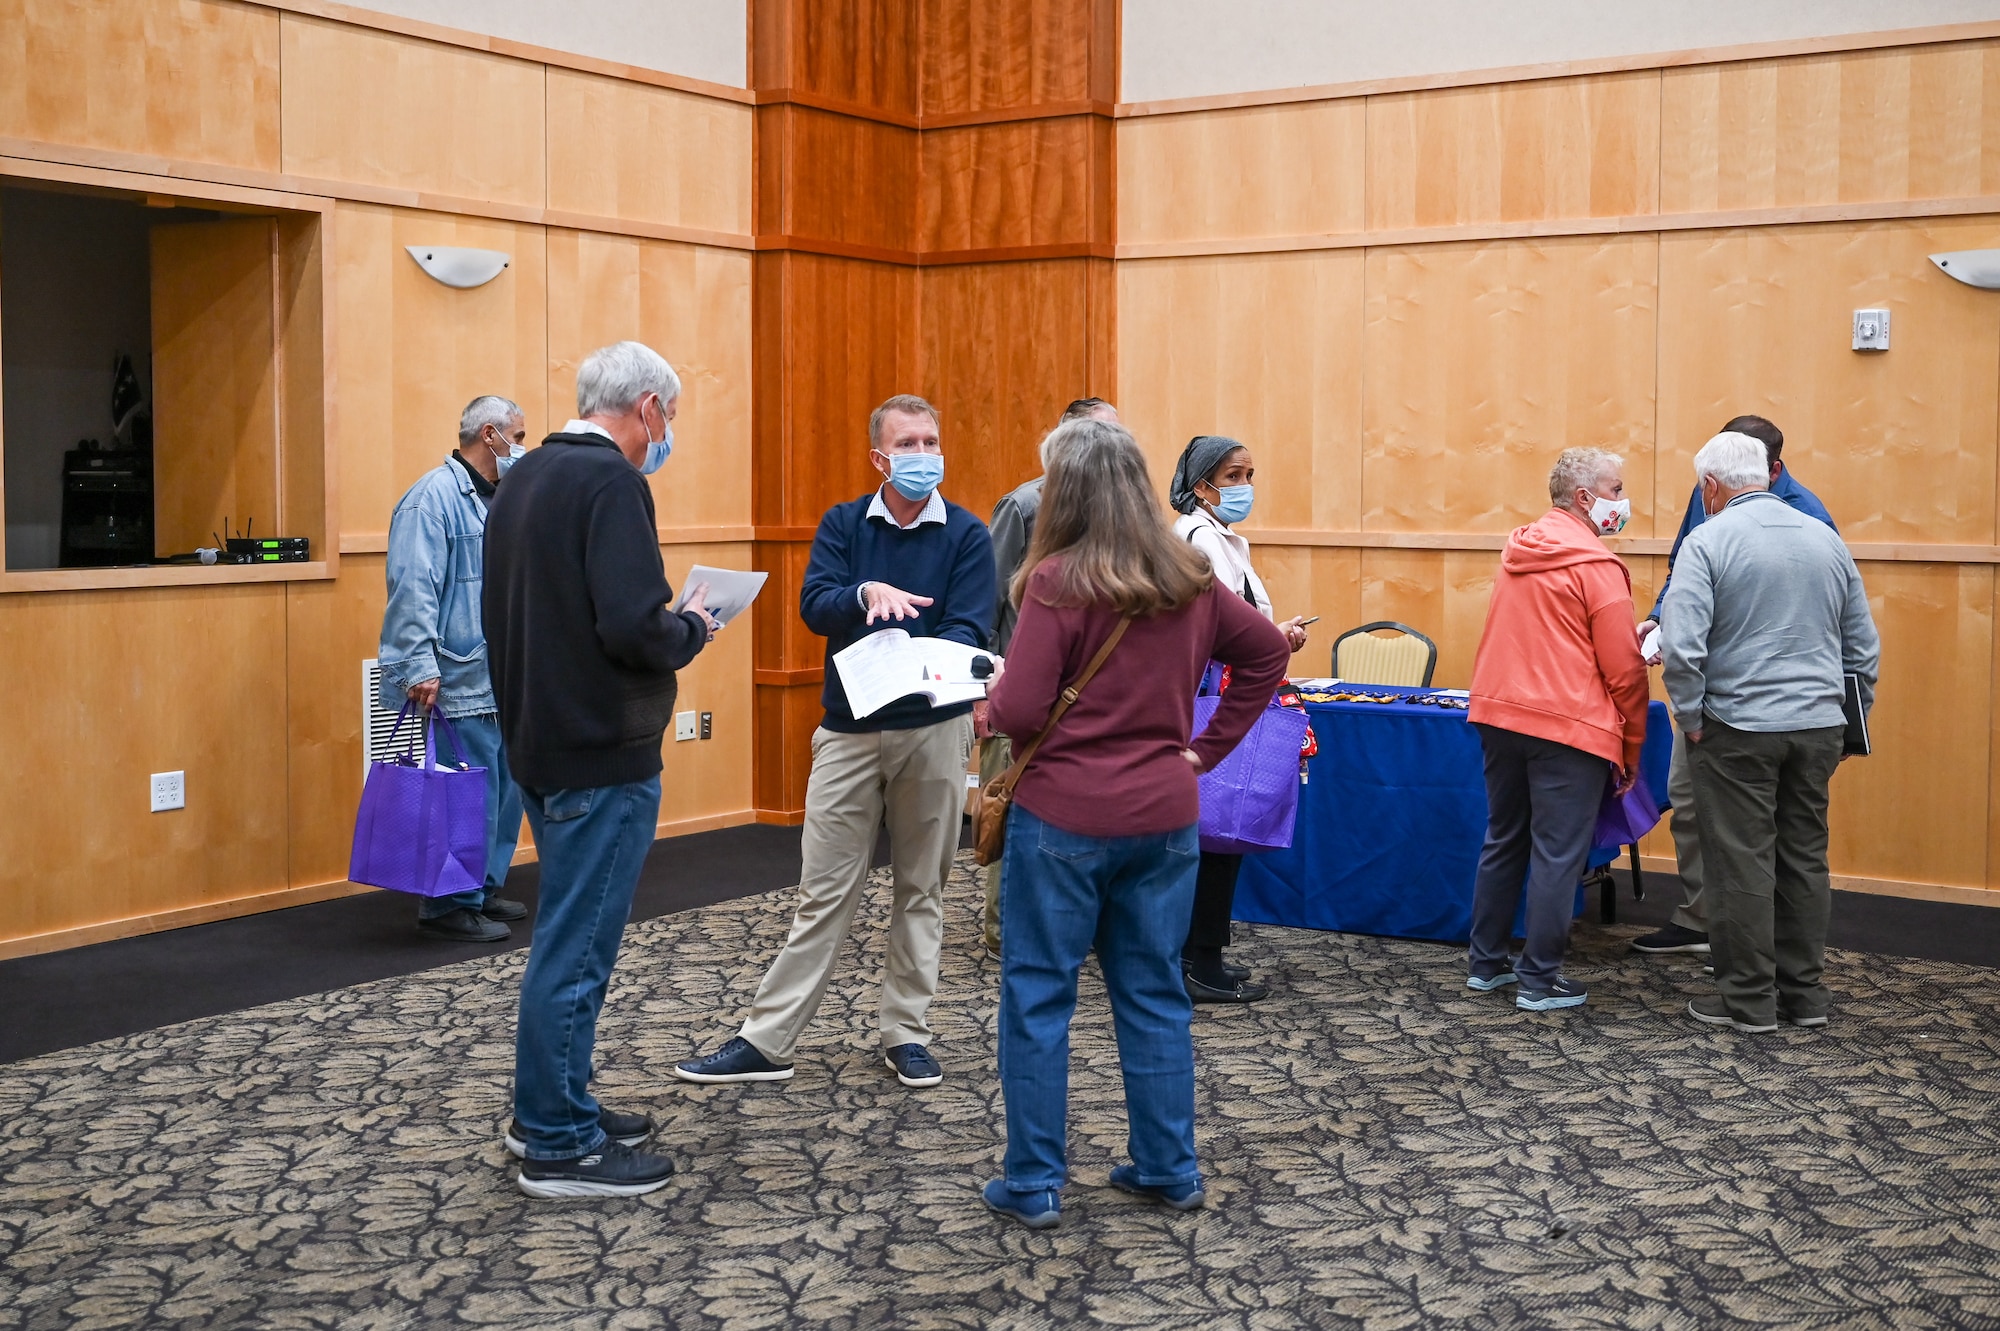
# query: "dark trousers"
{"type": "Point", "coordinates": [1541, 808]}
{"type": "Point", "coordinates": [1763, 845]}
{"type": "Point", "coordinates": [1214, 900]}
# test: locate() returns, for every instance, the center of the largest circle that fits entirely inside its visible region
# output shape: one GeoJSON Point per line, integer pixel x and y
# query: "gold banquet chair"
{"type": "Point", "coordinates": [1407, 658]}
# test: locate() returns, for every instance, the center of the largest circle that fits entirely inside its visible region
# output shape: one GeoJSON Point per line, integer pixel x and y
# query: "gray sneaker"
{"type": "Point", "coordinates": [465, 925]}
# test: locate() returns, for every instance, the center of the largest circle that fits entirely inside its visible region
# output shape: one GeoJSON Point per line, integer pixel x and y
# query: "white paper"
{"type": "Point", "coordinates": [888, 665]}
{"type": "Point", "coordinates": [730, 592]}
{"type": "Point", "coordinates": [1649, 646]}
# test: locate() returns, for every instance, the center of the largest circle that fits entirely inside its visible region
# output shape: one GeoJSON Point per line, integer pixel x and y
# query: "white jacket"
{"type": "Point", "coordinates": [1228, 554]}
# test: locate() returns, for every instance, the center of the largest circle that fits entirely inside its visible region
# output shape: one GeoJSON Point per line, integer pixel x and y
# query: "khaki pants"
{"type": "Point", "coordinates": [996, 755]}
{"type": "Point", "coordinates": [915, 781]}
{"type": "Point", "coordinates": [1763, 824]}
{"type": "Point", "coordinates": [1691, 913]}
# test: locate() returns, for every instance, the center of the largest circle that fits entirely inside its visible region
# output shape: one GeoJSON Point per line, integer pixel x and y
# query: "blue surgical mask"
{"type": "Point", "coordinates": [1233, 502]}
{"type": "Point", "coordinates": [657, 450]}
{"type": "Point", "coordinates": [915, 475]}
{"type": "Point", "coordinates": [514, 453]}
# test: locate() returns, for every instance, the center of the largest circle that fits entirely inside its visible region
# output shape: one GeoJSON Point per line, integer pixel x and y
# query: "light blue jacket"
{"type": "Point", "coordinates": [436, 568]}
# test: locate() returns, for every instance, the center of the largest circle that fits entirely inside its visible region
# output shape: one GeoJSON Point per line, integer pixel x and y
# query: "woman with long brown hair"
{"type": "Point", "coordinates": [1102, 839]}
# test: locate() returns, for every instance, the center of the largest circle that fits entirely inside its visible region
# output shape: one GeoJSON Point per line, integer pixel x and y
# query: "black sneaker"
{"type": "Point", "coordinates": [1715, 1012]}
{"type": "Point", "coordinates": [612, 1170]}
{"type": "Point", "coordinates": [625, 1129]}
{"type": "Point", "coordinates": [1672, 938]}
{"type": "Point", "coordinates": [913, 1065]}
{"type": "Point", "coordinates": [1562, 992]}
{"type": "Point", "coordinates": [737, 1060]}
{"type": "Point", "coordinates": [1239, 991]}
{"type": "Point", "coordinates": [465, 925]}
{"type": "Point", "coordinates": [499, 908]}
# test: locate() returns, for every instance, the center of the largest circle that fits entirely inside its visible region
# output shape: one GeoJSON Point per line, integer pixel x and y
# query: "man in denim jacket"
{"type": "Point", "coordinates": [434, 647]}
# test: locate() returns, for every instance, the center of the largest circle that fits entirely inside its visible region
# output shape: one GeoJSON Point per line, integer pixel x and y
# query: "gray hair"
{"type": "Point", "coordinates": [1068, 432]}
{"type": "Point", "coordinates": [1735, 461]}
{"type": "Point", "coordinates": [1580, 469]}
{"type": "Point", "coordinates": [612, 379]}
{"type": "Point", "coordinates": [487, 409]}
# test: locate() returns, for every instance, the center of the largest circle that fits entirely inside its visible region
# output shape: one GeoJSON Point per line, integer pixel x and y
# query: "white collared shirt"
{"type": "Point", "coordinates": [587, 427]}
{"type": "Point", "coordinates": [1228, 554]}
{"type": "Point", "coordinates": [933, 510]}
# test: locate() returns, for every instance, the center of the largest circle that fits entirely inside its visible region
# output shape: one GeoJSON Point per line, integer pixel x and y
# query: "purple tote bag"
{"type": "Point", "coordinates": [1623, 819]}
{"type": "Point", "coordinates": [1250, 800]}
{"type": "Point", "coordinates": [422, 826]}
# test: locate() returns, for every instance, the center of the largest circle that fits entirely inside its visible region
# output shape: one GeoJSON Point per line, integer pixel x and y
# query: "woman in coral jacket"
{"type": "Point", "coordinates": [1559, 701]}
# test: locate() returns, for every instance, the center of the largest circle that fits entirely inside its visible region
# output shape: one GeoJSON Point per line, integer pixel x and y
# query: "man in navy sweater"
{"type": "Point", "coordinates": [901, 557]}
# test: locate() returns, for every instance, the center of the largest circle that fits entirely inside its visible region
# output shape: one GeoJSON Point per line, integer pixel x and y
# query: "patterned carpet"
{"type": "Point", "coordinates": [1385, 1149]}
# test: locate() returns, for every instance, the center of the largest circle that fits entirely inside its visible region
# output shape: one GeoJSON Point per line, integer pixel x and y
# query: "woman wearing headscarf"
{"type": "Point", "coordinates": [1212, 490]}
{"type": "Point", "coordinates": [1103, 833]}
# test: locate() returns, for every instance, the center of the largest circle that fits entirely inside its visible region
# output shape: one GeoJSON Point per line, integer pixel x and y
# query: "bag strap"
{"type": "Point", "coordinates": [1005, 785]}
{"type": "Point", "coordinates": [437, 719]}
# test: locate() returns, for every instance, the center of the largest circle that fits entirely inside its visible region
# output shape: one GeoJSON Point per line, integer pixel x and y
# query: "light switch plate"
{"type": "Point", "coordinates": [1871, 330]}
{"type": "Point", "coordinates": [686, 725]}
{"type": "Point", "coordinates": [169, 791]}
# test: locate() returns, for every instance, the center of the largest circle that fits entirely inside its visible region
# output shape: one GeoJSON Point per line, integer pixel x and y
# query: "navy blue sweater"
{"type": "Point", "coordinates": [951, 563]}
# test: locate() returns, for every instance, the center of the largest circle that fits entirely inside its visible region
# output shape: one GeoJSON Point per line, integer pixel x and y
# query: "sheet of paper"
{"type": "Point", "coordinates": [888, 665]}
{"type": "Point", "coordinates": [1649, 646]}
{"type": "Point", "coordinates": [730, 591]}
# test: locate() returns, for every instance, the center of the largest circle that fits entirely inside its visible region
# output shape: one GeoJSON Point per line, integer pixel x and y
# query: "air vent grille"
{"type": "Point", "coordinates": [377, 722]}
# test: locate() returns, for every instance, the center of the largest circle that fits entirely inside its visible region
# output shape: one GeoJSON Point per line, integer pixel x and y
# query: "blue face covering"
{"type": "Point", "coordinates": [1234, 505]}
{"type": "Point", "coordinates": [502, 461]}
{"type": "Point", "coordinates": [915, 475]}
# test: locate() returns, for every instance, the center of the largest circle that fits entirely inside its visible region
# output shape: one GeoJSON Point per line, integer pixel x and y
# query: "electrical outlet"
{"type": "Point", "coordinates": [708, 725]}
{"type": "Point", "coordinates": [169, 791]}
{"type": "Point", "coordinates": [685, 725]}
{"type": "Point", "coordinates": [1871, 330]}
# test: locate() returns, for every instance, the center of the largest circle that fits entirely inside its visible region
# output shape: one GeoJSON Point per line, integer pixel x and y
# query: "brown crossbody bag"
{"type": "Point", "coordinates": [989, 811]}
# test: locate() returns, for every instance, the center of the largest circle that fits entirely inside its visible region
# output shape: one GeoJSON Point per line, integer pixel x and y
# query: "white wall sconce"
{"type": "Point", "coordinates": [457, 267]}
{"type": "Point", "coordinates": [1975, 268]}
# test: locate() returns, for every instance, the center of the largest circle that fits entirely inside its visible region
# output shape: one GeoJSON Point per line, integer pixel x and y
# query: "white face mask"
{"type": "Point", "coordinates": [1609, 516]}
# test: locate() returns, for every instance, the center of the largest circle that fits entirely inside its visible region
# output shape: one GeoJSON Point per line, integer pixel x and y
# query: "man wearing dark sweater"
{"type": "Point", "coordinates": [901, 557]}
{"type": "Point", "coordinates": [583, 644]}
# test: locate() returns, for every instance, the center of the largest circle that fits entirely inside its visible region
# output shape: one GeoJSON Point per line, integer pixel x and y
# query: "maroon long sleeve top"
{"type": "Point", "coordinates": [1113, 767]}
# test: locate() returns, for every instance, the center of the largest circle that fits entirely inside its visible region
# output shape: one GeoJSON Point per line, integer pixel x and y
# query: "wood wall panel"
{"type": "Point", "coordinates": [1312, 580]}
{"type": "Point", "coordinates": [1484, 361]}
{"type": "Point", "coordinates": [1578, 147]}
{"type": "Point", "coordinates": [190, 79]}
{"type": "Point", "coordinates": [215, 387]}
{"type": "Point", "coordinates": [1916, 809]}
{"type": "Point", "coordinates": [1004, 350]}
{"type": "Point", "coordinates": [1262, 171]}
{"type": "Point", "coordinates": [1263, 348]}
{"type": "Point", "coordinates": [1442, 592]}
{"type": "Point", "coordinates": [1029, 182]}
{"type": "Point", "coordinates": [381, 109]}
{"type": "Point", "coordinates": [342, 620]}
{"type": "Point", "coordinates": [691, 304]}
{"type": "Point", "coordinates": [1911, 122]}
{"type": "Point", "coordinates": [153, 680]}
{"type": "Point", "coordinates": [1008, 54]}
{"type": "Point", "coordinates": [414, 352]}
{"type": "Point", "coordinates": [646, 154]}
{"type": "Point", "coordinates": [706, 778]}
{"type": "Point", "coordinates": [859, 51]}
{"type": "Point", "coordinates": [1901, 446]}
{"type": "Point", "coordinates": [832, 177]}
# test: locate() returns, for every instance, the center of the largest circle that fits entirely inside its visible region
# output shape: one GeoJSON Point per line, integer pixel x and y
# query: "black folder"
{"type": "Point", "coordinates": [1855, 742]}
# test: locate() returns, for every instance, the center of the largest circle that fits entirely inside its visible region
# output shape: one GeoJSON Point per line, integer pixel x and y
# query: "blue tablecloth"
{"type": "Point", "coordinates": [1391, 821]}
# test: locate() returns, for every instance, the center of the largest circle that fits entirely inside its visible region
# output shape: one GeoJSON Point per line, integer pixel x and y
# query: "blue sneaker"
{"type": "Point", "coordinates": [1486, 984]}
{"type": "Point", "coordinates": [1041, 1209]}
{"type": "Point", "coordinates": [1180, 1196]}
{"type": "Point", "coordinates": [913, 1065]}
{"type": "Point", "coordinates": [1562, 992]}
{"type": "Point", "coordinates": [738, 1060]}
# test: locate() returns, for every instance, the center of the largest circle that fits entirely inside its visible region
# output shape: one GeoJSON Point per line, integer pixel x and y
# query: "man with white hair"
{"type": "Point", "coordinates": [1559, 702]}
{"type": "Point", "coordinates": [1765, 616]}
{"type": "Point", "coordinates": [1013, 530]}
{"type": "Point", "coordinates": [433, 650]}
{"type": "Point", "coordinates": [584, 643]}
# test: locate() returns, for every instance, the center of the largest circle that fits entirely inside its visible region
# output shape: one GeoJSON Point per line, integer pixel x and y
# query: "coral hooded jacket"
{"type": "Point", "coordinates": [1560, 655]}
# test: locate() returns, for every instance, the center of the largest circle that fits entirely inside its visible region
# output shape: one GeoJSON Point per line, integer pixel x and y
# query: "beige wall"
{"type": "Point", "coordinates": [254, 690]}
{"type": "Point", "coordinates": [1406, 304]}
{"type": "Point", "coordinates": [1201, 48]}
{"type": "Point", "coordinates": [700, 39]}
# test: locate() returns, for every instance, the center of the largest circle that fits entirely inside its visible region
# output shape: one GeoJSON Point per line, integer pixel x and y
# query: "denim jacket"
{"type": "Point", "coordinates": [436, 564]}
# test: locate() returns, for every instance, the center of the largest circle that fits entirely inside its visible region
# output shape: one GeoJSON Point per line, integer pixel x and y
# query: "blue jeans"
{"type": "Point", "coordinates": [479, 736]}
{"type": "Point", "coordinates": [1060, 894]}
{"type": "Point", "coordinates": [592, 843]}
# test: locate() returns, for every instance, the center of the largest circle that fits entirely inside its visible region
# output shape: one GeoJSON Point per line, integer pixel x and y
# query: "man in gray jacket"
{"type": "Point", "coordinates": [433, 649]}
{"type": "Point", "coordinates": [1764, 617]}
